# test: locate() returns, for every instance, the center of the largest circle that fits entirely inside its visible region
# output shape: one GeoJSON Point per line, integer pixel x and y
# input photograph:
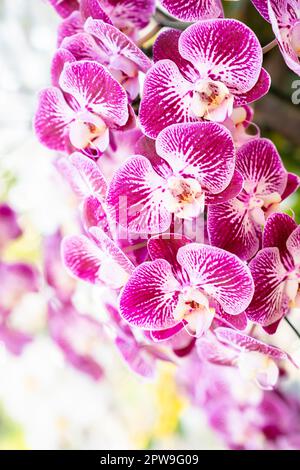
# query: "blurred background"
{"type": "Point", "coordinates": [46, 401]}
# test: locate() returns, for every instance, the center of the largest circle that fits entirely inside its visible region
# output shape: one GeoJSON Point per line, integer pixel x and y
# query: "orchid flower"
{"type": "Point", "coordinates": [237, 224]}
{"type": "Point", "coordinates": [284, 16]}
{"type": "Point", "coordinates": [191, 81]}
{"type": "Point", "coordinates": [255, 360]}
{"type": "Point", "coordinates": [193, 10]}
{"type": "Point", "coordinates": [80, 113]}
{"type": "Point", "coordinates": [194, 166]}
{"type": "Point", "coordinates": [185, 283]}
{"type": "Point", "coordinates": [276, 273]}
{"type": "Point", "coordinates": [126, 15]}
{"type": "Point", "coordinates": [105, 44]}
{"type": "Point", "coordinates": [96, 259]}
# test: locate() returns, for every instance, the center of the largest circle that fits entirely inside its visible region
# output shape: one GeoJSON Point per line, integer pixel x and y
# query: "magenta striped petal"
{"type": "Point", "coordinates": [73, 24]}
{"type": "Point", "coordinates": [92, 182]}
{"type": "Point", "coordinates": [225, 50]}
{"type": "Point", "coordinates": [93, 9]}
{"type": "Point", "coordinates": [293, 183]}
{"type": "Point", "coordinates": [166, 247]}
{"type": "Point", "coordinates": [60, 58]}
{"type": "Point", "coordinates": [231, 191]}
{"type": "Point", "coordinates": [107, 246]}
{"type": "Point", "coordinates": [146, 147]}
{"type": "Point", "coordinates": [52, 117]}
{"type": "Point", "coordinates": [278, 229]}
{"type": "Point", "coordinates": [94, 215]}
{"type": "Point", "coordinates": [166, 47]}
{"type": "Point", "coordinates": [262, 7]}
{"type": "Point", "coordinates": [135, 197]}
{"type": "Point", "coordinates": [129, 15]}
{"type": "Point", "coordinates": [220, 274]}
{"type": "Point", "coordinates": [211, 350]}
{"type": "Point", "coordinates": [247, 343]}
{"type": "Point", "coordinates": [84, 47]}
{"type": "Point", "coordinates": [238, 322]}
{"type": "Point", "coordinates": [83, 175]}
{"type": "Point", "coordinates": [284, 15]}
{"type": "Point", "coordinates": [259, 90]}
{"type": "Point", "coordinates": [166, 100]}
{"type": "Point", "coordinates": [270, 303]}
{"type": "Point", "coordinates": [92, 86]}
{"type": "Point", "coordinates": [81, 257]}
{"type": "Point", "coordinates": [112, 42]}
{"type": "Point", "coordinates": [164, 335]}
{"type": "Point", "coordinates": [202, 150]}
{"type": "Point", "coordinates": [260, 164]}
{"type": "Point", "coordinates": [193, 10]}
{"type": "Point", "coordinates": [150, 296]}
{"type": "Point", "coordinates": [86, 258]}
{"type": "Point", "coordinates": [231, 227]}
{"type": "Point", "coordinates": [293, 245]}
{"type": "Point", "coordinates": [65, 7]}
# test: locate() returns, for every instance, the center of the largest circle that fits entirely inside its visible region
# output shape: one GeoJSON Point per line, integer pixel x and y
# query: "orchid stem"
{"type": "Point", "coordinates": [293, 327]}
{"type": "Point", "coordinates": [269, 46]}
{"type": "Point", "coordinates": [165, 20]}
{"type": "Point", "coordinates": [149, 35]}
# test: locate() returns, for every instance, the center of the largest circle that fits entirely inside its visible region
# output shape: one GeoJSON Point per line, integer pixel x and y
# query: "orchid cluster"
{"type": "Point", "coordinates": [179, 197]}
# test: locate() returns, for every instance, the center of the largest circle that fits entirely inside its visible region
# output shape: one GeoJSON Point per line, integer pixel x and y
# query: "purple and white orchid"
{"type": "Point", "coordinates": [192, 81]}
{"type": "Point", "coordinates": [185, 283]}
{"type": "Point", "coordinates": [284, 16]}
{"type": "Point", "coordinates": [237, 224]}
{"type": "Point", "coordinates": [80, 113]}
{"type": "Point", "coordinates": [276, 273]}
{"type": "Point", "coordinates": [194, 166]}
{"type": "Point", "coordinates": [105, 44]}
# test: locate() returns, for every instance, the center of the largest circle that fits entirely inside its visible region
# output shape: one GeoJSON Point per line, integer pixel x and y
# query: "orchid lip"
{"type": "Point", "coordinates": [210, 96]}
{"type": "Point", "coordinates": [193, 308]}
{"type": "Point", "coordinates": [85, 129]}
{"type": "Point", "coordinates": [184, 197]}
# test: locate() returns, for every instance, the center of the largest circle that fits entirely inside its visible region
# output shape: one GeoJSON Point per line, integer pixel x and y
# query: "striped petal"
{"type": "Point", "coordinates": [279, 228]}
{"type": "Point", "coordinates": [285, 19]}
{"type": "Point", "coordinates": [220, 274]}
{"type": "Point", "coordinates": [93, 87]}
{"type": "Point", "coordinates": [232, 227]}
{"type": "Point", "coordinates": [166, 47]}
{"type": "Point", "coordinates": [262, 7]}
{"type": "Point", "coordinates": [83, 175]}
{"type": "Point", "coordinates": [193, 10]}
{"type": "Point", "coordinates": [52, 118]}
{"type": "Point", "coordinates": [150, 296]}
{"type": "Point", "coordinates": [166, 99]}
{"type": "Point", "coordinates": [248, 343]}
{"type": "Point", "coordinates": [225, 50]}
{"type": "Point", "coordinates": [112, 42]}
{"type": "Point", "coordinates": [135, 197]}
{"type": "Point", "coordinates": [260, 164]}
{"type": "Point", "coordinates": [203, 150]}
{"type": "Point", "coordinates": [270, 302]}
{"type": "Point", "coordinates": [259, 90]}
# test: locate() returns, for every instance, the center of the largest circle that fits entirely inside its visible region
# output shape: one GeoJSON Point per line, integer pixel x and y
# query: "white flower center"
{"type": "Point", "coordinates": [193, 307]}
{"type": "Point", "coordinates": [88, 129]}
{"type": "Point", "coordinates": [212, 100]}
{"type": "Point", "coordinates": [184, 197]}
